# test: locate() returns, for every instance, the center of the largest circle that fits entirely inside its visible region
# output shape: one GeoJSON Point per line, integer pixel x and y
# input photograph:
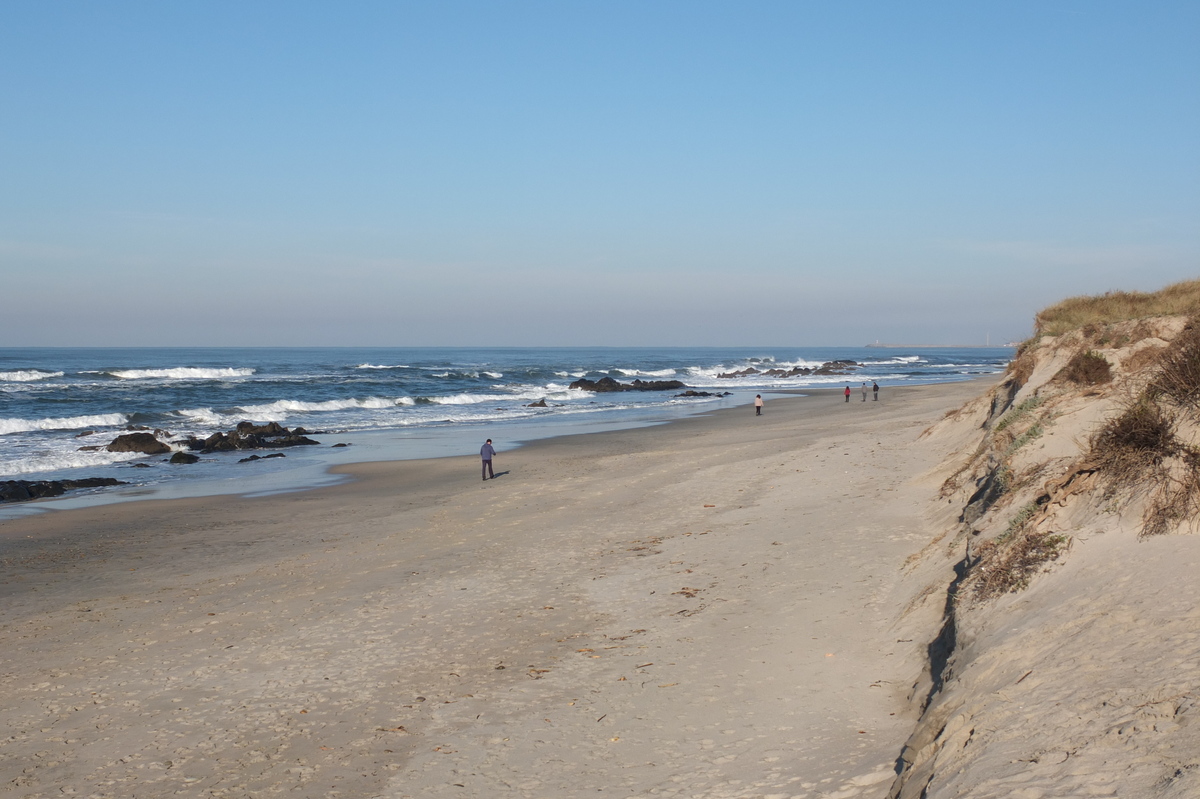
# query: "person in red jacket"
{"type": "Point", "coordinates": [847, 393]}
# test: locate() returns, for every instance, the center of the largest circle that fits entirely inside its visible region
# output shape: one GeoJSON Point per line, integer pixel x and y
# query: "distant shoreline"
{"type": "Point", "coordinates": [878, 346]}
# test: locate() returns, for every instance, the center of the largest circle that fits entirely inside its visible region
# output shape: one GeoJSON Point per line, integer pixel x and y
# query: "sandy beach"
{"type": "Point", "coordinates": [707, 608]}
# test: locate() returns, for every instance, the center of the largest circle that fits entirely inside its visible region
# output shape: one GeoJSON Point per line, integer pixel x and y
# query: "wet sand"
{"type": "Point", "coordinates": [707, 608]}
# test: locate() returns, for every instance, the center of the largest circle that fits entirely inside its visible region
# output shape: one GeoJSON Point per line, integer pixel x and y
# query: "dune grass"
{"type": "Point", "coordinates": [1180, 299]}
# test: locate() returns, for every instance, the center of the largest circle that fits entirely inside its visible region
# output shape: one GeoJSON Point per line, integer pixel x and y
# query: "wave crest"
{"type": "Point", "coordinates": [181, 373]}
{"type": "Point", "coordinates": [27, 376]}
{"type": "Point", "coordinates": [8, 426]}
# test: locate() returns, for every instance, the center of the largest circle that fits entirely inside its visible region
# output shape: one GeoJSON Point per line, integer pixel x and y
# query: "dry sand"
{"type": "Point", "coordinates": [708, 608]}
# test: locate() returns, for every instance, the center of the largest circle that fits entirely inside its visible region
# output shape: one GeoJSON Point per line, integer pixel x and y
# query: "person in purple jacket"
{"type": "Point", "coordinates": [487, 453]}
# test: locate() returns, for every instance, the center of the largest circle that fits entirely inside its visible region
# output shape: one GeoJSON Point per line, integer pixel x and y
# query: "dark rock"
{"type": "Point", "coordinates": [262, 457]}
{"type": "Point", "coordinates": [335, 446]}
{"type": "Point", "coordinates": [749, 370]}
{"type": "Point", "coordinates": [141, 466]}
{"type": "Point", "coordinates": [92, 482]}
{"type": "Point", "coordinates": [268, 429]}
{"type": "Point", "coordinates": [607, 384]}
{"type": "Point", "coordinates": [839, 367]}
{"type": "Point", "coordinates": [694, 393]}
{"type": "Point", "coordinates": [90, 448]}
{"type": "Point", "coordinates": [24, 490]}
{"type": "Point", "coordinates": [539, 404]}
{"type": "Point", "coordinates": [14, 491]}
{"type": "Point", "coordinates": [85, 433]}
{"type": "Point", "coordinates": [251, 436]}
{"type": "Point", "coordinates": [144, 443]}
{"type": "Point", "coordinates": [184, 457]}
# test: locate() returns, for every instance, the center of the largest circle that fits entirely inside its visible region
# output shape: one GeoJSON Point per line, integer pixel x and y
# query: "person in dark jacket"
{"type": "Point", "coordinates": [486, 452]}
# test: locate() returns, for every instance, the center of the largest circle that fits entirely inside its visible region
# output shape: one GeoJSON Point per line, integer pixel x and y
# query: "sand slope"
{"type": "Point", "coordinates": [1087, 682]}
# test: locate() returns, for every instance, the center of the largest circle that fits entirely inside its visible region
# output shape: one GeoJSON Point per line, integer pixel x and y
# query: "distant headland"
{"type": "Point", "coordinates": [881, 345]}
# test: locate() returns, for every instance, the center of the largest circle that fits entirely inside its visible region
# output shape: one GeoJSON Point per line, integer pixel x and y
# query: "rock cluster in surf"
{"type": "Point", "coordinates": [25, 490]}
{"type": "Point", "coordinates": [840, 367]}
{"type": "Point", "coordinates": [607, 384]}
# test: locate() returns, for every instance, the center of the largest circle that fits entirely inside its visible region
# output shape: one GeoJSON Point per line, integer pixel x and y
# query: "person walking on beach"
{"type": "Point", "coordinates": [487, 453]}
{"type": "Point", "coordinates": [864, 390]}
{"type": "Point", "coordinates": [758, 404]}
{"type": "Point", "coordinates": [875, 390]}
{"type": "Point", "coordinates": [847, 393]}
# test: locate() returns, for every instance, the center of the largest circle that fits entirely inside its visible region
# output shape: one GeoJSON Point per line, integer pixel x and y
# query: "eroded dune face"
{"type": "Point", "coordinates": [1067, 540]}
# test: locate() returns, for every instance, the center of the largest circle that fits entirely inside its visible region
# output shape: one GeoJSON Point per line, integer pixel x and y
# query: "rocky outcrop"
{"type": "Point", "coordinates": [248, 435]}
{"type": "Point", "coordinates": [253, 458]}
{"type": "Point", "coordinates": [838, 367]}
{"type": "Point", "coordinates": [145, 443]}
{"type": "Point", "coordinates": [607, 384]}
{"type": "Point", "coordinates": [694, 393]}
{"type": "Point", "coordinates": [184, 457]}
{"type": "Point", "coordinates": [25, 490]}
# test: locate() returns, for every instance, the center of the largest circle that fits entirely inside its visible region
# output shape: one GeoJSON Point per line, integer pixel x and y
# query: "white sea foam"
{"type": "Point", "coordinates": [473, 399]}
{"type": "Point", "coordinates": [181, 373]}
{"type": "Point", "coordinates": [493, 375]}
{"type": "Point", "coordinates": [647, 373]}
{"type": "Point", "coordinates": [54, 461]}
{"type": "Point", "coordinates": [897, 360]}
{"type": "Point", "coordinates": [8, 426]}
{"type": "Point", "coordinates": [27, 376]}
{"type": "Point", "coordinates": [205, 417]}
{"type": "Point", "coordinates": [381, 366]}
{"type": "Point", "coordinates": [276, 411]}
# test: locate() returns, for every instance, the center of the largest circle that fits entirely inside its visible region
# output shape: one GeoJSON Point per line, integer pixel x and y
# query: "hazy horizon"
{"type": "Point", "coordinates": [624, 174]}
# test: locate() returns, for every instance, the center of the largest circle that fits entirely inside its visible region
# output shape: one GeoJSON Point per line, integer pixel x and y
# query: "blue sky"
{"type": "Point", "coordinates": [617, 173]}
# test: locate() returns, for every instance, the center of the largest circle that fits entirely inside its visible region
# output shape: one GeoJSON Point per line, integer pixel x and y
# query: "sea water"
{"type": "Point", "coordinates": [59, 408]}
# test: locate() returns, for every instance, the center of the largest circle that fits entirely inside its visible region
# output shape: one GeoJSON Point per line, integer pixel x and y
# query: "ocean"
{"type": "Point", "coordinates": [386, 404]}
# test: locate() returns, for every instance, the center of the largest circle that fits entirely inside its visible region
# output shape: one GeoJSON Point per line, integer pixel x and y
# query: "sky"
{"type": "Point", "coordinates": [587, 173]}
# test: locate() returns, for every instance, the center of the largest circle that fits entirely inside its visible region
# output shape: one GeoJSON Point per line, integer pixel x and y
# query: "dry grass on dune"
{"type": "Point", "coordinates": [1142, 449]}
{"type": "Point", "coordinates": [1180, 299]}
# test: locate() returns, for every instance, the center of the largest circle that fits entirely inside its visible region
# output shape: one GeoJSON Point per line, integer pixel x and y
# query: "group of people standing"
{"type": "Point", "coordinates": [874, 390]}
